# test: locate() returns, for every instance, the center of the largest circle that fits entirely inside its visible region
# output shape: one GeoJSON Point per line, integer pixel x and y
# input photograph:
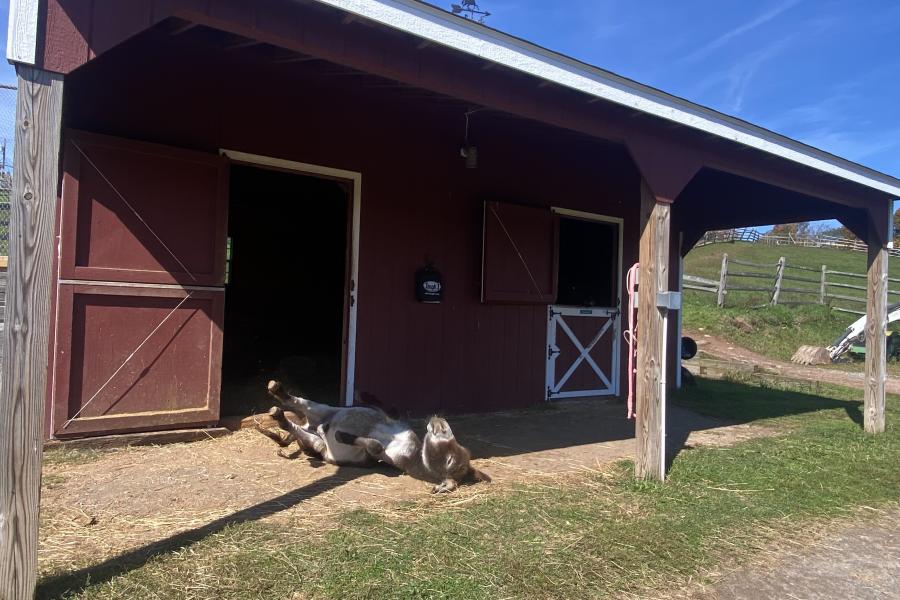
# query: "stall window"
{"type": "Point", "coordinates": [588, 261]}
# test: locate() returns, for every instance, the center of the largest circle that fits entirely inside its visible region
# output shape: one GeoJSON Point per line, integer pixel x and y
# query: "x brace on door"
{"type": "Point", "coordinates": [557, 321]}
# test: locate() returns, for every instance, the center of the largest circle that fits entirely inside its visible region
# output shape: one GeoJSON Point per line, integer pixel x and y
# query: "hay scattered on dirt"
{"type": "Point", "coordinates": [125, 499]}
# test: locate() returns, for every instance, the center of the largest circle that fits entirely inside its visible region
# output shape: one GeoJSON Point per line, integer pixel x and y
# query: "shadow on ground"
{"type": "Point", "coordinates": [77, 581]}
{"type": "Point", "coordinates": [547, 440]}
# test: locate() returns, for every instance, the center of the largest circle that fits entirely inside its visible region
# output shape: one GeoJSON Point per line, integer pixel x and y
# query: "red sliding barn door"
{"type": "Point", "coordinates": [140, 301]}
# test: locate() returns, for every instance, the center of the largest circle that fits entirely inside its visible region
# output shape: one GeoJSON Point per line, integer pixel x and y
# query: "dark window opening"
{"type": "Point", "coordinates": [287, 275]}
{"type": "Point", "coordinates": [588, 263]}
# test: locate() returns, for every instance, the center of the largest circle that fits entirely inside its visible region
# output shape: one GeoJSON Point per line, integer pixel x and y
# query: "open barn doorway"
{"type": "Point", "coordinates": [288, 282]}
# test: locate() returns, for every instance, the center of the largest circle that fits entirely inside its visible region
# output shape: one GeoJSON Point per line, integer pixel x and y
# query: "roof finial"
{"type": "Point", "coordinates": [470, 10]}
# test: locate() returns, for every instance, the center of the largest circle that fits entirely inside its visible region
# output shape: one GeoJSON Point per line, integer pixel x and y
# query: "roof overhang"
{"type": "Point", "coordinates": [442, 28]}
{"type": "Point", "coordinates": [439, 27]}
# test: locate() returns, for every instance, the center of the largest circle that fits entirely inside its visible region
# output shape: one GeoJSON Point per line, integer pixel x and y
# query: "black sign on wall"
{"type": "Point", "coordinates": [429, 288]}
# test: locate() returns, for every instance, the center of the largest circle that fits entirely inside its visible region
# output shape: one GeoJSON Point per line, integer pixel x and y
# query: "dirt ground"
{"type": "Point", "coordinates": [722, 349]}
{"type": "Point", "coordinates": [132, 499]}
{"type": "Point", "coordinates": [856, 561]}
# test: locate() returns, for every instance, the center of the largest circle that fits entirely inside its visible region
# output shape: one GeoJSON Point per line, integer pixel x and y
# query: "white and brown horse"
{"type": "Point", "coordinates": [364, 435]}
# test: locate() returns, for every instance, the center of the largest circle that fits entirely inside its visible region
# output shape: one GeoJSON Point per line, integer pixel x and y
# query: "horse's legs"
{"type": "Point", "coordinates": [315, 413]}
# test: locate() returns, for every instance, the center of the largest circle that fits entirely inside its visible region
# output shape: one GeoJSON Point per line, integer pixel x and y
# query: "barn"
{"type": "Point", "coordinates": [371, 196]}
{"type": "Point", "coordinates": [368, 196]}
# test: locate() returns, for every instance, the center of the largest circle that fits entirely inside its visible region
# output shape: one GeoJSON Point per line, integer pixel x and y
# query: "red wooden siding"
{"type": "Point", "coordinates": [134, 216]}
{"type": "Point", "coordinates": [171, 192]}
{"type": "Point", "coordinates": [418, 201]}
{"type": "Point", "coordinates": [172, 381]}
{"type": "Point", "coordinates": [520, 248]}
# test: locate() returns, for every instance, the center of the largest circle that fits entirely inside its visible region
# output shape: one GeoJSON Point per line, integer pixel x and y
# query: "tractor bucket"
{"type": "Point", "coordinates": [811, 355]}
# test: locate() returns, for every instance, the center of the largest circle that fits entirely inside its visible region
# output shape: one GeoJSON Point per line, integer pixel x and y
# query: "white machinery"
{"type": "Point", "coordinates": [855, 334]}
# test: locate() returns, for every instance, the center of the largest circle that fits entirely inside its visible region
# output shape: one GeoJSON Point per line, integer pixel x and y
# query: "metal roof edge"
{"type": "Point", "coordinates": [440, 27]}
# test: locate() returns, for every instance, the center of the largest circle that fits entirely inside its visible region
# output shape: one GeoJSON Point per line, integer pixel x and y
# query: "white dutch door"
{"type": "Point", "coordinates": [584, 326]}
{"type": "Point", "coordinates": [582, 352]}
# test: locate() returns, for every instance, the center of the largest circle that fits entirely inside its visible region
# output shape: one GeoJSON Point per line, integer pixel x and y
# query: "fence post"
{"type": "Point", "coordinates": [779, 274]}
{"type": "Point", "coordinates": [822, 287]}
{"type": "Point", "coordinates": [723, 275]}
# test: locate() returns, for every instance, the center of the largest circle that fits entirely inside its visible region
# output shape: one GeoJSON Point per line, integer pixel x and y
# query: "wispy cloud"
{"type": "Point", "coordinates": [835, 124]}
{"type": "Point", "coordinates": [728, 87]}
{"type": "Point", "coordinates": [608, 30]}
{"type": "Point", "coordinates": [804, 118]}
{"type": "Point", "coordinates": [742, 73]}
{"type": "Point", "coordinates": [750, 25]}
{"type": "Point", "coordinates": [853, 144]}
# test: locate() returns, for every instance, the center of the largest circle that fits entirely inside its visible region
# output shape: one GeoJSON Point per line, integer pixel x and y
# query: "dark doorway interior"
{"type": "Point", "coordinates": [284, 302]}
{"type": "Point", "coordinates": [588, 263]}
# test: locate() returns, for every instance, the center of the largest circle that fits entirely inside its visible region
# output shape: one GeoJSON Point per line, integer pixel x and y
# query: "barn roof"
{"type": "Point", "coordinates": [439, 27]}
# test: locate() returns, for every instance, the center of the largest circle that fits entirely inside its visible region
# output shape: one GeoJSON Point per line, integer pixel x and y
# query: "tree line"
{"type": "Point", "coordinates": [812, 228]}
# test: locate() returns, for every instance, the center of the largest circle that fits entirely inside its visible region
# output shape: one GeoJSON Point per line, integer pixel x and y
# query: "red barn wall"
{"type": "Point", "coordinates": [418, 200]}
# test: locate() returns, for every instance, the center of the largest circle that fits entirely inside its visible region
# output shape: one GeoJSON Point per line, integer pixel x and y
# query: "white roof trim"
{"type": "Point", "coordinates": [438, 26]}
{"type": "Point", "coordinates": [21, 38]}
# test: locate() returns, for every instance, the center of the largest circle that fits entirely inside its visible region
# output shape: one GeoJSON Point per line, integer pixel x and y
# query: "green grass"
{"type": "Point", "coordinates": [61, 456]}
{"type": "Point", "coordinates": [775, 331]}
{"type": "Point", "coordinates": [581, 537]}
{"type": "Point", "coordinates": [707, 262]}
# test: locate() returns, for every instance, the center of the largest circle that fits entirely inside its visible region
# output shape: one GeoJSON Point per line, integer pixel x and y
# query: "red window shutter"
{"type": "Point", "coordinates": [519, 255]}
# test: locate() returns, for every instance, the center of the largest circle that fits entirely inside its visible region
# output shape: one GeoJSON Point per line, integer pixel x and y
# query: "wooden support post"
{"type": "Point", "coordinates": [779, 277]}
{"type": "Point", "coordinates": [876, 330]}
{"type": "Point", "coordinates": [650, 423]}
{"type": "Point", "coordinates": [723, 278]}
{"type": "Point", "coordinates": [822, 285]}
{"type": "Point", "coordinates": [23, 380]}
{"type": "Point", "coordinates": [679, 322]}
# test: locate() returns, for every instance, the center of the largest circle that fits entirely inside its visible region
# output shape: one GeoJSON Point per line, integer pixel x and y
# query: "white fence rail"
{"type": "Point", "coordinates": [808, 241]}
{"type": "Point", "coordinates": [787, 284]}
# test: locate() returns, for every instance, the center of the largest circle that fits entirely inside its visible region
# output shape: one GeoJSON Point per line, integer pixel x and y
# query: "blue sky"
{"type": "Point", "coordinates": [7, 74]}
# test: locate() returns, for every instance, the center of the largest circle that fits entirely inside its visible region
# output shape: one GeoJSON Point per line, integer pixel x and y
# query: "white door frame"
{"type": "Point", "coordinates": [352, 298]}
{"type": "Point", "coordinates": [620, 223]}
{"type": "Point", "coordinates": [556, 320]}
{"type": "Point", "coordinates": [613, 311]}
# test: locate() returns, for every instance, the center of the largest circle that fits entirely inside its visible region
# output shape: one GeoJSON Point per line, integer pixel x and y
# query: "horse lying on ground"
{"type": "Point", "coordinates": [363, 435]}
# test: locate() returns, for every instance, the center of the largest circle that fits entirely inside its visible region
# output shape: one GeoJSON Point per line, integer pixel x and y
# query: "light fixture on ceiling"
{"type": "Point", "coordinates": [467, 150]}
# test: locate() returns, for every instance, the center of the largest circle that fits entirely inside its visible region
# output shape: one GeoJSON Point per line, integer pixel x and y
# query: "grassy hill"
{"type": "Point", "coordinates": [775, 331]}
{"type": "Point", "coordinates": [705, 261]}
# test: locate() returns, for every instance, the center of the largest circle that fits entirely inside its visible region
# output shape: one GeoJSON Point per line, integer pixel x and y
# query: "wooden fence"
{"type": "Point", "coordinates": [789, 285]}
{"type": "Point", "coordinates": [729, 235]}
{"type": "Point", "coordinates": [806, 241]}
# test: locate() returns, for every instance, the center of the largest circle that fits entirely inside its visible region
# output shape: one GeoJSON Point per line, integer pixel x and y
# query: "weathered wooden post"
{"type": "Point", "coordinates": [876, 330]}
{"type": "Point", "coordinates": [650, 428]}
{"type": "Point", "coordinates": [723, 277]}
{"type": "Point", "coordinates": [823, 284]}
{"type": "Point", "coordinates": [779, 276]}
{"type": "Point", "coordinates": [23, 379]}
